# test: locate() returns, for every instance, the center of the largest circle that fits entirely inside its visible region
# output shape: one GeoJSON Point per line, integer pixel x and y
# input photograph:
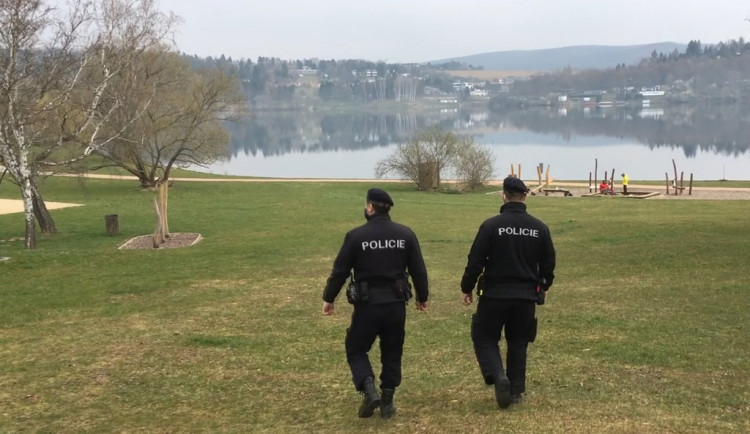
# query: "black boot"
{"type": "Point", "coordinates": [502, 390]}
{"type": "Point", "coordinates": [387, 410]}
{"type": "Point", "coordinates": [516, 394]}
{"type": "Point", "coordinates": [371, 398]}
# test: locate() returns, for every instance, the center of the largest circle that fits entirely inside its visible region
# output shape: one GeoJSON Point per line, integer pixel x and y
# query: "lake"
{"type": "Point", "coordinates": [710, 144]}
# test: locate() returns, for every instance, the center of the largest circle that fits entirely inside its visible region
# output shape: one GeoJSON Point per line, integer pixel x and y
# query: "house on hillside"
{"type": "Point", "coordinates": [649, 92]}
{"type": "Point", "coordinates": [459, 86]}
{"type": "Point", "coordinates": [652, 95]}
{"type": "Point", "coordinates": [306, 70]}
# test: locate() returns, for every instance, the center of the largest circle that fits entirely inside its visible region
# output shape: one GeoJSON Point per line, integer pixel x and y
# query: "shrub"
{"type": "Point", "coordinates": [473, 165]}
{"type": "Point", "coordinates": [424, 158]}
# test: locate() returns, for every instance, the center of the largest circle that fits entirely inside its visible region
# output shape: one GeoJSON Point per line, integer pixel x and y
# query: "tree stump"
{"type": "Point", "coordinates": [112, 224]}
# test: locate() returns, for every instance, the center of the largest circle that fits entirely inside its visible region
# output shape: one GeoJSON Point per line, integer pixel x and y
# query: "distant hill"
{"type": "Point", "coordinates": [577, 57]}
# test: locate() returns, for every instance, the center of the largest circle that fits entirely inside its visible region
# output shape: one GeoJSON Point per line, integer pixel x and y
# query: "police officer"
{"type": "Point", "coordinates": [513, 252]}
{"type": "Point", "coordinates": [380, 252]}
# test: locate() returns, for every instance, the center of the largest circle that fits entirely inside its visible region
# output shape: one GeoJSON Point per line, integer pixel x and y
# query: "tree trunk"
{"type": "Point", "coordinates": [28, 209]}
{"type": "Point", "coordinates": [43, 217]}
{"type": "Point", "coordinates": [428, 176]}
{"type": "Point", "coordinates": [158, 234]}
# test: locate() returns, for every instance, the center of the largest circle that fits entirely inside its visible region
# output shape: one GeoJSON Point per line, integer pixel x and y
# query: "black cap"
{"type": "Point", "coordinates": [379, 196]}
{"type": "Point", "coordinates": [515, 185]}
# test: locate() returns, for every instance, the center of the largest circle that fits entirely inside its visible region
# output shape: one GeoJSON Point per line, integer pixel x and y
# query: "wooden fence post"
{"type": "Point", "coordinates": [596, 173]}
{"type": "Point", "coordinates": [539, 173]}
{"type": "Point", "coordinates": [158, 230]}
{"type": "Point", "coordinates": [163, 201]}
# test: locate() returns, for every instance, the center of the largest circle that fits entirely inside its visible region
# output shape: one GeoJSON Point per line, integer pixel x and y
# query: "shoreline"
{"type": "Point", "coordinates": [578, 189]}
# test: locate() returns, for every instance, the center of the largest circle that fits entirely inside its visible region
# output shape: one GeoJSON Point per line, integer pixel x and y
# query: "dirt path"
{"type": "Point", "coordinates": [706, 193]}
{"type": "Point", "coordinates": [10, 206]}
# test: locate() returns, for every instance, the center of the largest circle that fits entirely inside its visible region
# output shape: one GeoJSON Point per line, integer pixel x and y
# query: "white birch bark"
{"type": "Point", "coordinates": [55, 80]}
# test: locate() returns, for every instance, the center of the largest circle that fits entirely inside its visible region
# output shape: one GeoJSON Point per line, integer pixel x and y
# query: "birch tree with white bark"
{"type": "Point", "coordinates": [57, 65]}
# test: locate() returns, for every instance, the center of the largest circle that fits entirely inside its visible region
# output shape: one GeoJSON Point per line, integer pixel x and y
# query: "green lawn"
{"type": "Point", "coordinates": [645, 330]}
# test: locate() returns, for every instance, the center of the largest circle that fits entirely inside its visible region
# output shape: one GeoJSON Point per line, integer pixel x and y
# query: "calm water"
{"type": "Point", "coordinates": [642, 143]}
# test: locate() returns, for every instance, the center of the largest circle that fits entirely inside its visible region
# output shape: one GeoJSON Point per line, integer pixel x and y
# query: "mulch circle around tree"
{"type": "Point", "coordinates": [175, 240]}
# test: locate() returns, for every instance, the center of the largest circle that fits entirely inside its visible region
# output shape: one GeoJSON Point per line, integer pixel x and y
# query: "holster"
{"type": "Point", "coordinates": [402, 289]}
{"type": "Point", "coordinates": [357, 292]}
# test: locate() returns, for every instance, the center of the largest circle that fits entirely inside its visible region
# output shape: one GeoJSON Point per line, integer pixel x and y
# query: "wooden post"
{"type": "Point", "coordinates": [519, 171]}
{"type": "Point", "coordinates": [596, 172]}
{"type": "Point", "coordinates": [158, 235]}
{"type": "Point", "coordinates": [667, 176]}
{"type": "Point", "coordinates": [540, 170]}
{"type": "Point", "coordinates": [512, 173]}
{"type": "Point", "coordinates": [547, 176]}
{"type": "Point", "coordinates": [590, 184]}
{"type": "Point", "coordinates": [539, 174]}
{"type": "Point", "coordinates": [163, 198]}
{"type": "Point", "coordinates": [675, 177]}
{"type": "Point", "coordinates": [690, 190]}
{"type": "Point", "coordinates": [112, 224]}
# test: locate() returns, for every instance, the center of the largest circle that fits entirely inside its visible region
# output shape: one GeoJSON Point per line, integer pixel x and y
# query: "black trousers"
{"type": "Point", "coordinates": [487, 324]}
{"type": "Point", "coordinates": [369, 321]}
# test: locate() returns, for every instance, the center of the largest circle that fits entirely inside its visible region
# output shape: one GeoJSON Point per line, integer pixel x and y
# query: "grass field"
{"type": "Point", "coordinates": [645, 330]}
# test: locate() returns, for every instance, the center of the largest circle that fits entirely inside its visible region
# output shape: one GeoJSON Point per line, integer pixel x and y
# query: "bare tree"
{"type": "Point", "coordinates": [182, 124]}
{"type": "Point", "coordinates": [56, 71]}
{"type": "Point", "coordinates": [474, 164]}
{"type": "Point", "coordinates": [405, 89]}
{"type": "Point", "coordinates": [423, 158]}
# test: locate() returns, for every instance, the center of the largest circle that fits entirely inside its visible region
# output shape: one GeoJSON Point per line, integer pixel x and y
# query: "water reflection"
{"type": "Point", "coordinates": [723, 130]}
{"type": "Point", "coordinates": [278, 133]}
{"type": "Point", "coordinates": [705, 141]}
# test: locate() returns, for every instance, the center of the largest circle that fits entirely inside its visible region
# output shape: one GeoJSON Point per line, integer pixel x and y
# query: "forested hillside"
{"type": "Point", "coordinates": [706, 74]}
{"type": "Point", "coordinates": [555, 59]}
{"type": "Point", "coordinates": [717, 73]}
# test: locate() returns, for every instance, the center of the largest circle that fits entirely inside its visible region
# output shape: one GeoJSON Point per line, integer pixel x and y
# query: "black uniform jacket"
{"type": "Point", "coordinates": [514, 250]}
{"type": "Point", "coordinates": [380, 251]}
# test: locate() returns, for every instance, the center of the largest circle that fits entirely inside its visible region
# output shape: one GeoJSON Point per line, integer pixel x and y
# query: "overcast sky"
{"type": "Point", "coordinates": [402, 31]}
